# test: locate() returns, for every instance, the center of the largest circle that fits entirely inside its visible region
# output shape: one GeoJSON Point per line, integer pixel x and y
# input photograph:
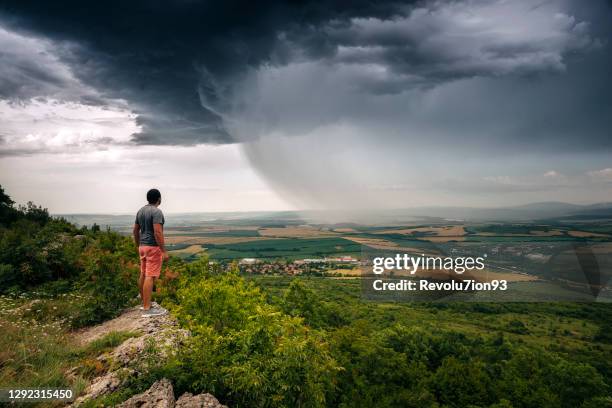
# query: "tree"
{"type": "Point", "coordinates": [5, 200]}
{"type": "Point", "coordinates": [7, 211]}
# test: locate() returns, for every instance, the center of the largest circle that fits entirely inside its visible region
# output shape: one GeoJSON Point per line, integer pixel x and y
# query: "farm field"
{"type": "Point", "coordinates": [551, 252]}
{"type": "Point", "coordinates": [292, 240]}
{"type": "Point", "coordinates": [291, 248]}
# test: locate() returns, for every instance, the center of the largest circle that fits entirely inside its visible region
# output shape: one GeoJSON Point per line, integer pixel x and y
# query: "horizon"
{"type": "Point", "coordinates": [533, 212]}
{"type": "Point", "coordinates": [333, 210]}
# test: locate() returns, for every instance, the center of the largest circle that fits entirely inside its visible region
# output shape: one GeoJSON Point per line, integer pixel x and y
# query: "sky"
{"type": "Point", "coordinates": [242, 106]}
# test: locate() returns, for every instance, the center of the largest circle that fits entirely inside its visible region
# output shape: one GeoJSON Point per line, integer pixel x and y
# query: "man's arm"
{"type": "Point", "coordinates": [158, 230]}
{"type": "Point", "coordinates": [136, 233]}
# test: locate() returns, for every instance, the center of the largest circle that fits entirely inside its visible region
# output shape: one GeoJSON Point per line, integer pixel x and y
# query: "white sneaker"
{"type": "Point", "coordinates": [154, 312]}
{"type": "Point", "coordinates": [153, 305]}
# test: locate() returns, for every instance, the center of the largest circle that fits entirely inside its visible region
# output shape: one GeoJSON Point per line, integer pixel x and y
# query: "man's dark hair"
{"type": "Point", "coordinates": [153, 195]}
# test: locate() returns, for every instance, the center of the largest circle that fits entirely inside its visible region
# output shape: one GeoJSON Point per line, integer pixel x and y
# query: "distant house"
{"type": "Point", "coordinates": [314, 260]}
{"type": "Point", "coordinates": [342, 259]}
{"type": "Point", "coordinates": [247, 261]}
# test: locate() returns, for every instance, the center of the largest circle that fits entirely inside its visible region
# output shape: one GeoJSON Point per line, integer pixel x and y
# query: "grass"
{"type": "Point", "coordinates": [33, 356]}
{"type": "Point", "coordinates": [107, 342]}
{"type": "Point", "coordinates": [36, 349]}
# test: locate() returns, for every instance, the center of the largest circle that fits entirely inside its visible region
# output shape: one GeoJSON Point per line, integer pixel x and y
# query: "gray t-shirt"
{"type": "Point", "coordinates": [145, 218]}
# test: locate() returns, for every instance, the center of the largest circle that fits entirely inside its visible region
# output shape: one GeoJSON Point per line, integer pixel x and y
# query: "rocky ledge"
{"type": "Point", "coordinates": [125, 360]}
{"type": "Point", "coordinates": [161, 395]}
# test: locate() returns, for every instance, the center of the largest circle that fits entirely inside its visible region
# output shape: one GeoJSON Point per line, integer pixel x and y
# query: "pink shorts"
{"type": "Point", "coordinates": [151, 258]}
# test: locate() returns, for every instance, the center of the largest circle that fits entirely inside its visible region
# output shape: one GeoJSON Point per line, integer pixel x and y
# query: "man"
{"type": "Point", "coordinates": [149, 238]}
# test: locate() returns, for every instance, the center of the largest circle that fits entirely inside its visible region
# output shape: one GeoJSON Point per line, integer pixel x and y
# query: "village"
{"type": "Point", "coordinates": [309, 266]}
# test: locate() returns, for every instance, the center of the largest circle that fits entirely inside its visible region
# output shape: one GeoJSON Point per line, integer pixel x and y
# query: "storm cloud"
{"type": "Point", "coordinates": [180, 64]}
{"type": "Point", "coordinates": [333, 102]}
{"type": "Point", "coordinates": [165, 59]}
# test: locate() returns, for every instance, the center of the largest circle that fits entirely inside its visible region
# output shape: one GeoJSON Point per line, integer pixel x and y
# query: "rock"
{"type": "Point", "coordinates": [161, 331]}
{"type": "Point", "coordinates": [160, 395]}
{"type": "Point", "coordinates": [100, 386]}
{"type": "Point", "coordinates": [104, 384]}
{"type": "Point", "coordinates": [188, 400]}
{"type": "Point", "coordinates": [126, 360]}
{"type": "Point", "coordinates": [129, 320]}
{"type": "Point", "coordinates": [166, 340]}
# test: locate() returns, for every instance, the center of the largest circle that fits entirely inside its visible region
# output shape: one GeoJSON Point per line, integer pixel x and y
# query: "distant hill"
{"type": "Point", "coordinates": [527, 212]}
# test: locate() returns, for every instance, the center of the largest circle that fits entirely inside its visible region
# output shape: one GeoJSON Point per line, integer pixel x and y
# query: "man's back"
{"type": "Point", "coordinates": [145, 218]}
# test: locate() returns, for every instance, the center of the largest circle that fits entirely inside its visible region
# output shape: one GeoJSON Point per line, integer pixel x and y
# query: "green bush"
{"type": "Point", "coordinates": [244, 350]}
{"type": "Point", "coordinates": [39, 250]}
{"type": "Point", "coordinates": [108, 281]}
{"type": "Point", "coordinates": [55, 256]}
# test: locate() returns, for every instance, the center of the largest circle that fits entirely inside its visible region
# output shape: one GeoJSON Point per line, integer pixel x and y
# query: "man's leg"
{"type": "Point", "coordinates": [143, 269]}
{"type": "Point", "coordinates": [153, 269]}
{"type": "Point", "coordinates": [141, 280]}
{"type": "Point", "coordinates": [147, 289]}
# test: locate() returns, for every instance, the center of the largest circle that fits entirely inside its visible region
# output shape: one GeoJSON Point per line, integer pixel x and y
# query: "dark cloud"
{"type": "Point", "coordinates": [183, 67]}
{"type": "Point", "coordinates": [167, 58]}
{"type": "Point", "coordinates": [29, 68]}
{"type": "Point", "coordinates": [435, 42]}
{"type": "Point", "coordinates": [179, 64]}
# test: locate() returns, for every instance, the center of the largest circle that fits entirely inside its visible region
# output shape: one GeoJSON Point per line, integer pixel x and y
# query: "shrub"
{"type": "Point", "coordinates": [108, 283]}
{"type": "Point", "coordinates": [244, 350]}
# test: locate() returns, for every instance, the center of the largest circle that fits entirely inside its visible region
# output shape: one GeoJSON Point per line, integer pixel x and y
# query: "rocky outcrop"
{"type": "Point", "coordinates": [100, 386]}
{"type": "Point", "coordinates": [188, 400]}
{"type": "Point", "coordinates": [130, 320]}
{"type": "Point", "coordinates": [125, 360]}
{"type": "Point", "coordinates": [161, 395]}
{"type": "Point", "coordinates": [165, 340]}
